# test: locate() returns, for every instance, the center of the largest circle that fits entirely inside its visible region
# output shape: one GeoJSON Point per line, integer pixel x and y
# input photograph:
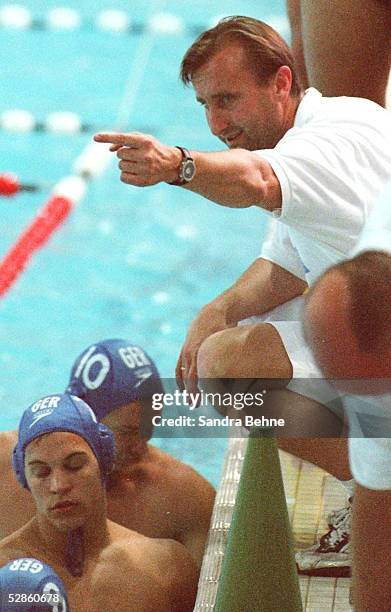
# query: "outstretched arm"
{"type": "Point", "coordinates": [236, 178]}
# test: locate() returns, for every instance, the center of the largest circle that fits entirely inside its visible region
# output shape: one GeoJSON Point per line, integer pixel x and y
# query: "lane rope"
{"type": "Point", "coordinates": [69, 191]}
{"type": "Point", "coordinates": [18, 17]}
{"type": "Point", "coordinates": [10, 185]}
{"type": "Point", "coordinates": [65, 123]}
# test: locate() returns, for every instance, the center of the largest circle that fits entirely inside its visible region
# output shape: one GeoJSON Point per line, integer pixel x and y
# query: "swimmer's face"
{"type": "Point", "coordinates": [241, 111]}
{"type": "Point", "coordinates": [64, 479]}
{"type": "Point", "coordinates": [124, 422]}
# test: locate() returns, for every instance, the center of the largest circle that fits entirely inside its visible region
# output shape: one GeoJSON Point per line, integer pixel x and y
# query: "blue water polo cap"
{"type": "Point", "coordinates": [28, 585]}
{"type": "Point", "coordinates": [63, 412]}
{"type": "Point", "coordinates": [113, 373]}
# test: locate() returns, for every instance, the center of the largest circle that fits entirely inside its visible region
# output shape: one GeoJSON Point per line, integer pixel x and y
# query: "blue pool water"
{"type": "Point", "coordinates": [132, 263]}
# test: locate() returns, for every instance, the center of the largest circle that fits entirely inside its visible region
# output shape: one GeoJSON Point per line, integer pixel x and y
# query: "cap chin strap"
{"type": "Point", "coordinates": [74, 552]}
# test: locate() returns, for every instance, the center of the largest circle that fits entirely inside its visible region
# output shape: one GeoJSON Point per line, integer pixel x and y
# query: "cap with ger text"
{"type": "Point", "coordinates": [113, 373]}
{"type": "Point", "coordinates": [27, 585]}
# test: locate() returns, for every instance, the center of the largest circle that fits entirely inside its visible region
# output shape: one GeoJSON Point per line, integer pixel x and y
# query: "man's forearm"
{"type": "Point", "coordinates": [236, 178]}
{"type": "Point", "coordinates": [262, 287]}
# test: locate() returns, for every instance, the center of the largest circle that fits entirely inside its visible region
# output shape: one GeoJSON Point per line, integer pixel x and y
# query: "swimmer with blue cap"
{"type": "Point", "coordinates": [28, 585]}
{"type": "Point", "coordinates": [117, 379]}
{"type": "Point", "coordinates": [63, 456]}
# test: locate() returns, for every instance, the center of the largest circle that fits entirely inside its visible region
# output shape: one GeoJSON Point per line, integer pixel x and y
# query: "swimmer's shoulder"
{"type": "Point", "coordinates": [180, 476]}
{"type": "Point", "coordinates": [8, 440]}
{"type": "Point", "coordinates": [152, 575]}
{"type": "Point", "coordinates": [17, 544]}
{"type": "Point", "coordinates": [141, 560]}
{"type": "Point", "coordinates": [174, 468]}
{"type": "Point", "coordinates": [133, 547]}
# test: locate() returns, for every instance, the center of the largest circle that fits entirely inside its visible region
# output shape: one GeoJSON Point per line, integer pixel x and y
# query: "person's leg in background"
{"type": "Point", "coordinates": [343, 47]}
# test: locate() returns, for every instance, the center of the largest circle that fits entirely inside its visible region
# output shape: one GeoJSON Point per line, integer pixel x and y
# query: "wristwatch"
{"type": "Point", "coordinates": [187, 169]}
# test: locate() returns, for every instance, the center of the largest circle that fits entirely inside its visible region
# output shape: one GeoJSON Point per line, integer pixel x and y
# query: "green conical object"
{"type": "Point", "coordinates": [259, 571]}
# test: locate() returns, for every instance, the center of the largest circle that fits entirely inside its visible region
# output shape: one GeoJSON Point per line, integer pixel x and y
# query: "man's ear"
{"type": "Point", "coordinates": [283, 81]}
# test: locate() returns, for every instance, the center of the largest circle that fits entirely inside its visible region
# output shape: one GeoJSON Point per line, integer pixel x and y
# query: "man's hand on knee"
{"type": "Point", "coordinates": [211, 319]}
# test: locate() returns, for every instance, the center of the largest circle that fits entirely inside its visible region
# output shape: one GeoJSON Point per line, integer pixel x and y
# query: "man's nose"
{"type": "Point", "coordinates": [217, 121]}
{"type": "Point", "coordinates": [59, 481]}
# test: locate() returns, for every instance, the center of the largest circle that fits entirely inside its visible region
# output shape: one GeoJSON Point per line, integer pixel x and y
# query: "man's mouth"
{"type": "Point", "coordinates": [231, 138]}
{"type": "Point", "coordinates": [63, 506]}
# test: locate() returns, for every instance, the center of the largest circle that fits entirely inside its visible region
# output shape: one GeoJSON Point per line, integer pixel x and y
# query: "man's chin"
{"type": "Point", "coordinates": [66, 524]}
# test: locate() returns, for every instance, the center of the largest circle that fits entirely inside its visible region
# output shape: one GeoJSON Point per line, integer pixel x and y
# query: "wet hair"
{"type": "Point", "coordinates": [265, 48]}
{"type": "Point", "coordinates": [368, 278]}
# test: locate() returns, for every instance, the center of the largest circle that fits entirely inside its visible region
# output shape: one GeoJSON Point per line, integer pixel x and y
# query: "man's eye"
{"type": "Point", "coordinates": [75, 465]}
{"type": "Point", "coordinates": [225, 101]}
{"type": "Point", "coordinates": [40, 472]}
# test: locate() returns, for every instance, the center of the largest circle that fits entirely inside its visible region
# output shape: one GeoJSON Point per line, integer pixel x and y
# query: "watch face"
{"type": "Point", "coordinates": [188, 170]}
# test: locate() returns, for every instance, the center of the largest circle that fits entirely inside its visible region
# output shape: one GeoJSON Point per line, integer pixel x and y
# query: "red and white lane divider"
{"type": "Point", "coordinates": [10, 185]}
{"type": "Point", "coordinates": [92, 162]}
{"type": "Point", "coordinates": [65, 196]}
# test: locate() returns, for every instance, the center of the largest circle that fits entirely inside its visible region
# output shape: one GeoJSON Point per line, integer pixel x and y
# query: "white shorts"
{"type": "Point", "coordinates": [307, 378]}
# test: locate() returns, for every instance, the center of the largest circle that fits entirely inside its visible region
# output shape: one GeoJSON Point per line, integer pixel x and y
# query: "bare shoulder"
{"type": "Point", "coordinates": [178, 474]}
{"type": "Point", "coordinates": [13, 546]}
{"type": "Point", "coordinates": [155, 575]}
{"type": "Point", "coordinates": [8, 440]}
{"type": "Point", "coordinates": [137, 550]}
{"type": "Point", "coordinates": [133, 546]}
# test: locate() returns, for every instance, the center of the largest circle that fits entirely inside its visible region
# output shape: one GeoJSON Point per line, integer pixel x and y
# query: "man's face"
{"type": "Point", "coordinates": [124, 422]}
{"type": "Point", "coordinates": [64, 479]}
{"type": "Point", "coordinates": [240, 111]}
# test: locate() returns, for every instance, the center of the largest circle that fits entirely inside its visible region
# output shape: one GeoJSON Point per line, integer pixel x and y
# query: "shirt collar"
{"type": "Point", "coordinates": [308, 106]}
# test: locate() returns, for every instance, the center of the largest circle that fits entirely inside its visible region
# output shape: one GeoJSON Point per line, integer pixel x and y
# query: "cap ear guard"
{"type": "Point", "coordinates": [107, 450]}
{"type": "Point", "coordinates": [77, 388]}
{"type": "Point", "coordinates": [18, 465]}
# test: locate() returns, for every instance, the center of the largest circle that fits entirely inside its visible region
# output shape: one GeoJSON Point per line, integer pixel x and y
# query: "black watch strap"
{"type": "Point", "coordinates": [186, 157]}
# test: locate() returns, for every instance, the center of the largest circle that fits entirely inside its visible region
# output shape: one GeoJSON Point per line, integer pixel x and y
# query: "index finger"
{"type": "Point", "coordinates": [132, 139]}
{"type": "Point", "coordinates": [112, 137]}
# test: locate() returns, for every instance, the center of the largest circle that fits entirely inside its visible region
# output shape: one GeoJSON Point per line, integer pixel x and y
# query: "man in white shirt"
{"type": "Point", "coordinates": [316, 166]}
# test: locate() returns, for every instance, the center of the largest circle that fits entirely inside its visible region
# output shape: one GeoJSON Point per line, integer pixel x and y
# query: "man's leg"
{"type": "Point", "coordinates": [312, 433]}
{"type": "Point", "coordinates": [257, 352]}
{"type": "Point", "coordinates": [294, 14]}
{"type": "Point", "coordinates": [347, 46]}
{"type": "Point", "coordinates": [371, 550]}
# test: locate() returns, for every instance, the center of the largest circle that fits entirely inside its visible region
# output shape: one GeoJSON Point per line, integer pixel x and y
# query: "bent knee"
{"type": "Point", "coordinates": [248, 351]}
{"type": "Point", "coordinates": [213, 355]}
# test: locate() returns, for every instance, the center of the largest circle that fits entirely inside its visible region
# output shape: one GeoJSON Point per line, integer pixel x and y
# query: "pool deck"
{"type": "Point", "coordinates": [311, 494]}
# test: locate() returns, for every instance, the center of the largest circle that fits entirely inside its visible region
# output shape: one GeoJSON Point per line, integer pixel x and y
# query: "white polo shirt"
{"type": "Point", "coordinates": [331, 165]}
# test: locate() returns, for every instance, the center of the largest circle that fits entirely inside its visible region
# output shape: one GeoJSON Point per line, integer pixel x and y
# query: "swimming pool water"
{"type": "Point", "coordinates": [131, 263]}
